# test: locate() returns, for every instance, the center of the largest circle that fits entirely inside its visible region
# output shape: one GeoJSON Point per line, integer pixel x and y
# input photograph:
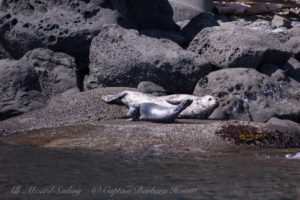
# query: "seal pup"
{"type": "Point", "coordinates": [200, 108]}
{"type": "Point", "coordinates": [156, 113]}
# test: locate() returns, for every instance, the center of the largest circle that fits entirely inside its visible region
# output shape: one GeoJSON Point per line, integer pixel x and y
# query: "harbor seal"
{"type": "Point", "coordinates": [156, 113]}
{"type": "Point", "coordinates": [200, 108]}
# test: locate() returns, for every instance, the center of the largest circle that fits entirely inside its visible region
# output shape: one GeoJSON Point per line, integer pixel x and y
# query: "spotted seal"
{"type": "Point", "coordinates": [200, 108]}
{"type": "Point", "coordinates": [156, 113]}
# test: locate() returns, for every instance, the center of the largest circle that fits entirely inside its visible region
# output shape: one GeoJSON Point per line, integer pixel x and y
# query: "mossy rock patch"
{"type": "Point", "coordinates": [251, 135]}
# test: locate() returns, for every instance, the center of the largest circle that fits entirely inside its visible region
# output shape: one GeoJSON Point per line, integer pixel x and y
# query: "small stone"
{"type": "Point", "coordinates": [281, 21]}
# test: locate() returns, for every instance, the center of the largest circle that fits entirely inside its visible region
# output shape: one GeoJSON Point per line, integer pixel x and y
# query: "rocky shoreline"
{"type": "Point", "coordinates": [181, 136]}
{"type": "Point", "coordinates": [58, 58]}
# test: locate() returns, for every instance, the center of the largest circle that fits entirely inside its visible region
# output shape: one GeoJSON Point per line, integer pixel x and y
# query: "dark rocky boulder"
{"type": "Point", "coordinates": [66, 26]}
{"type": "Point", "coordinates": [227, 47]}
{"type": "Point", "coordinates": [149, 87]}
{"type": "Point", "coordinates": [29, 83]}
{"type": "Point", "coordinates": [273, 71]}
{"type": "Point", "coordinates": [292, 68]}
{"type": "Point", "coordinates": [154, 14]}
{"type": "Point", "coordinates": [198, 23]}
{"type": "Point", "coordinates": [170, 35]}
{"type": "Point", "coordinates": [294, 45]}
{"type": "Point", "coordinates": [245, 94]}
{"type": "Point", "coordinates": [3, 53]}
{"type": "Point", "coordinates": [121, 57]}
{"type": "Point", "coordinates": [69, 26]}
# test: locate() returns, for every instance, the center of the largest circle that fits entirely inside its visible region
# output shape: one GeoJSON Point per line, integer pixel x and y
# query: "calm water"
{"type": "Point", "coordinates": [236, 173]}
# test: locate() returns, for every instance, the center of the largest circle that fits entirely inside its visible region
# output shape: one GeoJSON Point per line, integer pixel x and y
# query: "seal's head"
{"type": "Point", "coordinates": [210, 101]}
{"type": "Point", "coordinates": [201, 107]}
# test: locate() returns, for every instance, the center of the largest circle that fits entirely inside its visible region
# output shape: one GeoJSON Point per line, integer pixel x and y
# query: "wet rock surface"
{"type": "Point", "coordinates": [29, 83]}
{"type": "Point", "coordinates": [194, 135]}
{"type": "Point", "coordinates": [248, 95]}
{"type": "Point", "coordinates": [140, 58]}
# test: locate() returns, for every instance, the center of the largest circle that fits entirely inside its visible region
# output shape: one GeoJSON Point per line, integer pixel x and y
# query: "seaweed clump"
{"type": "Point", "coordinates": [250, 135]}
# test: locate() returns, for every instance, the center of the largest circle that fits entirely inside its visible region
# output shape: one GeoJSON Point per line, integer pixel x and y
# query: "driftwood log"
{"type": "Point", "coordinates": [290, 3]}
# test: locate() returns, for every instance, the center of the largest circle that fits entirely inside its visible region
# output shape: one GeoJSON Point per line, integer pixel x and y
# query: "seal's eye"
{"type": "Point", "coordinates": [209, 99]}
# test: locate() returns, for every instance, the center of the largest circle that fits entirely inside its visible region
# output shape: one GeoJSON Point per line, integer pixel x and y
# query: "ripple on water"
{"type": "Point", "coordinates": [291, 156]}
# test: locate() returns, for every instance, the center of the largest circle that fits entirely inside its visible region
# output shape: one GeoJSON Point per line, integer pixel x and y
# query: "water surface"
{"type": "Point", "coordinates": [154, 173]}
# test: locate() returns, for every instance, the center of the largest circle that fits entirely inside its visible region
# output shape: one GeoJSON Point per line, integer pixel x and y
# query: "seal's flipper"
{"type": "Point", "coordinates": [176, 99]}
{"type": "Point", "coordinates": [113, 98]}
{"type": "Point", "coordinates": [134, 112]}
{"type": "Point", "coordinates": [182, 106]}
{"type": "Point", "coordinates": [174, 102]}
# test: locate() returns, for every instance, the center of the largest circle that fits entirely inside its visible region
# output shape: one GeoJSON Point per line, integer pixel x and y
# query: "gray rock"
{"type": "Point", "coordinates": [159, 34]}
{"type": "Point", "coordinates": [139, 58]}
{"type": "Point", "coordinates": [294, 45]}
{"type": "Point", "coordinates": [197, 24]}
{"type": "Point", "coordinates": [262, 25]}
{"type": "Point", "coordinates": [280, 21]}
{"type": "Point", "coordinates": [227, 47]}
{"type": "Point", "coordinates": [273, 71]}
{"type": "Point", "coordinates": [245, 94]}
{"type": "Point", "coordinates": [222, 18]}
{"type": "Point", "coordinates": [295, 24]}
{"type": "Point", "coordinates": [70, 26]}
{"type": "Point", "coordinates": [218, 114]}
{"type": "Point", "coordinates": [149, 87]}
{"type": "Point", "coordinates": [281, 34]}
{"type": "Point", "coordinates": [62, 26]}
{"type": "Point", "coordinates": [287, 124]}
{"type": "Point", "coordinates": [268, 69]}
{"type": "Point", "coordinates": [182, 24]}
{"type": "Point", "coordinates": [294, 32]}
{"type": "Point", "coordinates": [81, 107]}
{"type": "Point", "coordinates": [29, 83]}
{"type": "Point", "coordinates": [3, 53]}
{"type": "Point", "coordinates": [154, 14]}
{"type": "Point", "coordinates": [292, 67]}
{"type": "Point", "coordinates": [188, 9]}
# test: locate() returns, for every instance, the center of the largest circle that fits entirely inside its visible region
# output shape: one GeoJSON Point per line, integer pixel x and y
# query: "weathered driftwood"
{"type": "Point", "coordinates": [252, 7]}
{"type": "Point", "coordinates": [292, 3]}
